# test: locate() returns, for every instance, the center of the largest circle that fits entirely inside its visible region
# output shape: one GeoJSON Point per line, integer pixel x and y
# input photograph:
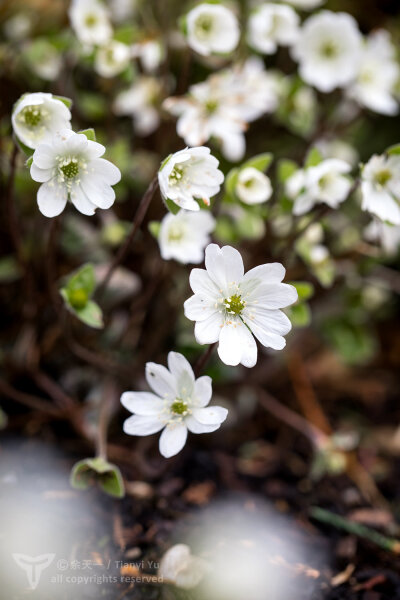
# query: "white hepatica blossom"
{"type": "Point", "coordinates": [140, 101]}
{"type": "Point", "coordinates": [253, 186]}
{"type": "Point", "coordinates": [180, 567]}
{"type": "Point", "coordinates": [326, 183]}
{"type": "Point", "coordinates": [328, 50]}
{"type": "Point", "coordinates": [90, 21]}
{"type": "Point", "coordinates": [229, 306]}
{"type": "Point", "coordinates": [70, 167]}
{"type": "Point", "coordinates": [189, 174]}
{"type": "Point", "coordinates": [184, 236]}
{"type": "Point", "coordinates": [378, 75]}
{"type": "Point", "coordinates": [150, 53]}
{"type": "Point", "coordinates": [212, 28]}
{"type": "Point", "coordinates": [112, 58]}
{"type": "Point", "coordinates": [221, 107]}
{"type": "Point", "coordinates": [178, 403]}
{"type": "Point", "coordinates": [388, 236]}
{"type": "Point", "coordinates": [272, 25]}
{"type": "Point", "coordinates": [380, 187]}
{"type": "Point", "coordinates": [37, 117]}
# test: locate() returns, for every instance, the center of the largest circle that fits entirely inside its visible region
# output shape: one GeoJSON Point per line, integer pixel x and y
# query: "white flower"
{"type": "Point", "coordinates": [44, 59]}
{"type": "Point", "coordinates": [380, 187]}
{"type": "Point", "coordinates": [140, 101]}
{"type": "Point", "coordinates": [306, 4]}
{"type": "Point", "coordinates": [185, 235]}
{"type": "Point", "coordinates": [253, 187]}
{"type": "Point", "coordinates": [229, 306]}
{"type": "Point", "coordinates": [221, 107]}
{"type": "Point", "coordinates": [70, 167]}
{"type": "Point", "coordinates": [329, 50]}
{"type": "Point", "coordinates": [180, 567]}
{"type": "Point", "coordinates": [189, 174]}
{"type": "Point", "coordinates": [272, 25]}
{"type": "Point", "coordinates": [378, 75]}
{"type": "Point", "coordinates": [112, 58]}
{"type": "Point", "coordinates": [324, 183]}
{"type": "Point", "coordinates": [122, 10]}
{"type": "Point", "coordinates": [37, 117]}
{"type": "Point", "coordinates": [177, 404]}
{"type": "Point", "coordinates": [150, 53]}
{"type": "Point", "coordinates": [388, 236]}
{"type": "Point", "coordinates": [337, 148]}
{"type": "Point", "coordinates": [212, 28]}
{"type": "Point", "coordinates": [90, 21]}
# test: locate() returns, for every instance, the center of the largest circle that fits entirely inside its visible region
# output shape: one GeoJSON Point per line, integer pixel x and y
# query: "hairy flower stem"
{"type": "Point", "coordinates": [137, 221]}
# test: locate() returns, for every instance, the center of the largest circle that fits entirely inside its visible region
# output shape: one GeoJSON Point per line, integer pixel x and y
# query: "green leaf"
{"type": "Point", "coordinates": [91, 314]}
{"type": "Point", "coordinates": [154, 228]}
{"type": "Point", "coordinates": [231, 181]}
{"type": "Point", "coordinates": [29, 162]}
{"type": "Point", "coordinates": [300, 314]}
{"type": "Point", "coordinates": [355, 344]}
{"type": "Point", "coordinates": [90, 471]}
{"type": "Point", "coordinates": [9, 269]}
{"type": "Point", "coordinates": [305, 289]}
{"type": "Point", "coordinates": [313, 158]}
{"type": "Point", "coordinates": [83, 279]}
{"type": "Point", "coordinates": [286, 168]}
{"type": "Point", "coordinates": [172, 207]}
{"type": "Point", "coordinates": [251, 226]}
{"type": "Point", "coordinates": [261, 162]}
{"type": "Point", "coordinates": [89, 133]}
{"type": "Point", "coordinates": [64, 100]}
{"type": "Point", "coordinates": [28, 151]}
{"type": "Point", "coordinates": [393, 149]}
{"type": "Point", "coordinates": [164, 162]}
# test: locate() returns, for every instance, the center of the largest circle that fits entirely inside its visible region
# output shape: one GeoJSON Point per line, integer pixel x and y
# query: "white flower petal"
{"type": "Point", "coordinates": [268, 273]}
{"type": "Point", "coordinates": [182, 372]}
{"type": "Point", "coordinates": [224, 265]}
{"type": "Point", "coordinates": [173, 439]}
{"type": "Point", "coordinates": [161, 381]}
{"type": "Point", "coordinates": [143, 425]}
{"type": "Point", "coordinates": [40, 175]}
{"type": "Point", "coordinates": [51, 199]}
{"type": "Point", "coordinates": [230, 348]}
{"type": "Point", "coordinates": [203, 390]}
{"type": "Point", "coordinates": [194, 426]}
{"type": "Point", "coordinates": [208, 331]}
{"type": "Point", "coordinates": [198, 308]}
{"type": "Point", "coordinates": [142, 403]}
{"type": "Point", "coordinates": [210, 415]}
{"type": "Point", "coordinates": [81, 201]}
{"type": "Point", "coordinates": [275, 295]}
{"type": "Point", "coordinates": [201, 283]}
{"type": "Point", "coordinates": [106, 170]}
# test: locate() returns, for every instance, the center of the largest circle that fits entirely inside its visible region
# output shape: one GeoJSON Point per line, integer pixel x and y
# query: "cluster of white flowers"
{"type": "Point", "coordinates": [223, 105]}
{"type": "Point", "coordinates": [326, 183]}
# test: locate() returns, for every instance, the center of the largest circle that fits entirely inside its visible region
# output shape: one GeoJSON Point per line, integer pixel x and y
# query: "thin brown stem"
{"type": "Point", "coordinates": [203, 360]}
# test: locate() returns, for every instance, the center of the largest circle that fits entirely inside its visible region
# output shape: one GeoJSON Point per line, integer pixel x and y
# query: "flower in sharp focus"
{"type": "Point", "coordinates": [177, 404]}
{"type": "Point", "coordinates": [326, 182]}
{"type": "Point", "coordinates": [272, 25]}
{"type": "Point", "coordinates": [37, 117]}
{"type": "Point", "coordinates": [90, 21]}
{"type": "Point", "coordinates": [380, 187]}
{"type": "Point", "coordinates": [184, 236]}
{"type": "Point", "coordinates": [378, 75]}
{"type": "Point", "coordinates": [189, 174]}
{"type": "Point", "coordinates": [230, 307]}
{"type": "Point", "coordinates": [140, 101]}
{"type": "Point", "coordinates": [180, 567]}
{"type": "Point", "coordinates": [253, 186]}
{"type": "Point", "coordinates": [112, 58]}
{"type": "Point", "coordinates": [212, 28]}
{"type": "Point", "coordinates": [70, 167]}
{"type": "Point", "coordinates": [329, 50]}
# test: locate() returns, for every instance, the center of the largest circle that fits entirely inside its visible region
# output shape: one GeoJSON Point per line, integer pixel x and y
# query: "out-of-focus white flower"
{"type": "Point", "coordinates": [328, 50]}
{"type": "Point", "coordinates": [184, 236]}
{"type": "Point", "coordinates": [37, 117]}
{"type": "Point", "coordinates": [177, 404]}
{"type": "Point", "coordinates": [90, 21]}
{"type": "Point", "coordinates": [272, 25]}
{"type": "Point", "coordinates": [221, 107]}
{"type": "Point", "coordinates": [318, 254]}
{"type": "Point", "coordinates": [212, 28]}
{"type": "Point", "coordinates": [306, 4]}
{"type": "Point", "coordinates": [122, 10]}
{"type": "Point", "coordinates": [388, 236]}
{"type": "Point", "coordinates": [18, 26]}
{"type": "Point", "coordinates": [188, 174]}
{"type": "Point", "coordinates": [326, 183]}
{"type": "Point", "coordinates": [44, 59]}
{"type": "Point", "coordinates": [140, 101]}
{"type": "Point", "coordinates": [70, 167]}
{"type": "Point", "coordinates": [380, 187]}
{"type": "Point", "coordinates": [229, 306]}
{"type": "Point", "coordinates": [378, 75]}
{"type": "Point", "coordinates": [336, 148]}
{"type": "Point", "coordinates": [112, 58]}
{"type": "Point", "coordinates": [150, 53]}
{"type": "Point", "coordinates": [180, 567]}
{"type": "Point", "coordinates": [253, 186]}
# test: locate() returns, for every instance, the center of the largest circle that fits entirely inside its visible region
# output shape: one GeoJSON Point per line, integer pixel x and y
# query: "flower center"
{"type": "Point", "coordinates": [211, 106]}
{"type": "Point", "coordinates": [69, 168]}
{"type": "Point", "coordinates": [176, 233]}
{"type": "Point", "coordinates": [179, 407]}
{"type": "Point", "coordinates": [31, 115]}
{"type": "Point", "coordinates": [329, 49]}
{"type": "Point", "coordinates": [90, 20]}
{"type": "Point", "coordinates": [204, 25]}
{"type": "Point", "coordinates": [234, 305]}
{"type": "Point", "coordinates": [383, 176]}
{"type": "Point", "coordinates": [176, 175]}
